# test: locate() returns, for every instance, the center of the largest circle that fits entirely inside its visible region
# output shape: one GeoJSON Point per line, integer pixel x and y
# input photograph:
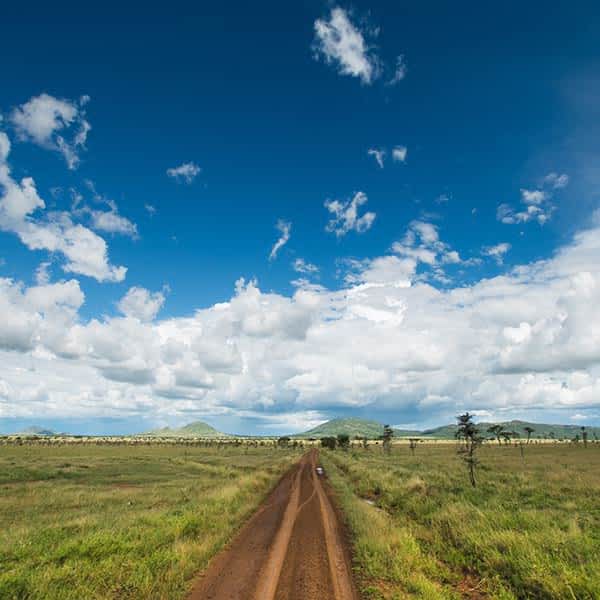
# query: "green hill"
{"type": "Point", "coordinates": [352, 427]}
{"type": "Point", "coordinates": [540, 430]}
{"type": "Point", "coordinates": [373, 430]}
{"type": "Point", "coordinates": [197, 429]}
{"type": "Point", "coordinates": [543, 430]}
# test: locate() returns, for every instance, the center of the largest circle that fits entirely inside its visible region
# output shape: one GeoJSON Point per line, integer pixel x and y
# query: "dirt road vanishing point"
{"type": "Point", "coordinates": [291, 549]}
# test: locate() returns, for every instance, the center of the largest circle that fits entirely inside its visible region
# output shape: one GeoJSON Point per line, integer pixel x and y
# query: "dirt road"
{"type": "Point", "coordinates": [291, 549]}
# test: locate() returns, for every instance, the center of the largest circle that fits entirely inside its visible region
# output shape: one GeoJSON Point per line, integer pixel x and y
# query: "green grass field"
{"type": "Point", "coordinates": [122, 522]}
{"type": "Point", "coordinates": [531, 529]}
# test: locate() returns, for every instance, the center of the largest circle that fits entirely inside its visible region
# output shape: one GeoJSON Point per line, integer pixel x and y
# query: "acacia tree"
{"type": "Point", "coordinates": [388, 434]}
{"type": "Point", "coordinates": [507, 435]}
{"type": "Point", "coordinates": [328, 442]}
{"type": "Point", "coordinates": [496, 431]}
{"type": "Point", "coordinates": [469, 434]}
{"type": "Point", "coordinates": [343, 441]}
{"type": "Point", "coordinates": [528, 431]}
{"type": "Point", "coordinates": [283, 441]}
{"type": "Point", "coordinates": [413, 444]}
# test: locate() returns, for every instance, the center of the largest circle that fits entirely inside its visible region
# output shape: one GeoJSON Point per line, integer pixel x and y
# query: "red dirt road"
{"type": "Point", "coordinates": [291, 549]}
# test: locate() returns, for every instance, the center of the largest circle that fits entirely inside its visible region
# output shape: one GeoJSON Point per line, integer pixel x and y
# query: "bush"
{"type": "Point", "coordinates": [328, 442]}
{"type": "Point", "coordinates": [343, 441]}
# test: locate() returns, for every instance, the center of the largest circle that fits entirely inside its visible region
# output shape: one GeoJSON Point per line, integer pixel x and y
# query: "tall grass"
{"type": "Point", "coordinates": [121, 522]}
{"type": "Point", "coordinates": [531, 529]}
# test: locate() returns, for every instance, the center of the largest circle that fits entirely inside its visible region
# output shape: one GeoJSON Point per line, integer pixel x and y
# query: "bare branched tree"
{"type": "Point", "coordinates": [584, 435]}
{"type": "Point", "coordinates": [413, 444]}
{"type": "Point", "coordinates": [388, 434]}
{"type": "Point", "coordinates": [469, 434]}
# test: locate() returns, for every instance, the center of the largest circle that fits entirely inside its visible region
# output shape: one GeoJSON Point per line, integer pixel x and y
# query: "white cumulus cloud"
{"type": "Point", "coordinates": [141, 304]}
{"type": "Point", "coordinates": [387, 339]}
{"type": "Point", "coordinates": [85, 252]}
{"type": "Point", "coordinates": [46, 121]}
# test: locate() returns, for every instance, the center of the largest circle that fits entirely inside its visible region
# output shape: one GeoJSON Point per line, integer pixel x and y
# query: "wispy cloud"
{"type": "Point", "coordinates": [379, 155]}
{"type": "Point", "coordinates": [348, 46]}
{"type": "Point", "coordinates": [399, 153]}
{"type": "Point", "coordinates": [556, 181]}
{"type": "Point", "coordinates": [496, 252]}
{"type": "Point", "coordinates": [421, 245]}
{"type": "Point", "coordinates": [42, 273]}
{"type": "Point", "coordinates": [346, 217]}
{"type": "Point", "coordinates": [185, 172]}
{"type": "Point", "coordinates": [111, 221]}
{"type": "Point", "coordinates": [285, 229]}
{"type": "Point", "coordinates": [507, 215]}
{"type": "Point", "coordinates": [537, 202]}
{"type": "Point", "coordinates": [533, 196]}
{"type": "Point", "coordinates": [400, 72]}
{"type": "Point", "coordinates": [338, 41]}
{"type": "Point", "coordinates": [302, 266]}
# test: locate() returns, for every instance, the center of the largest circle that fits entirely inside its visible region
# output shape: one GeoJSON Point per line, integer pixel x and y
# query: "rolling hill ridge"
{"type": "Point", "coordinates": [197, 429]}
{"type": "Point", "coordinates": [372, 429]}
{"type": "Point", "coordinates": [356, 427]}
{"type": "Point", "coordinates": [353, 427]}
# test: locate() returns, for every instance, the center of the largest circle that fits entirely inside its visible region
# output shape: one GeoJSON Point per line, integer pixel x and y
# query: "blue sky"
{"type": "Point", "coordinates": [421, 166]}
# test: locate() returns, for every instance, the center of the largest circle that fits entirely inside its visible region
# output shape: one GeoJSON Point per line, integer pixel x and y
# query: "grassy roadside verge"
{"type": "Point", "coordinates": [531, 529]}
{"type": "Point", "coordinates": [120, 522]}
{"type": "Point", "coordinates": [388, 561]}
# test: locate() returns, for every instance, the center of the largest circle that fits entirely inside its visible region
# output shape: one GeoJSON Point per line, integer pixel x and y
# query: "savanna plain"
{"type": "Point", "coordinates": [121, 521]}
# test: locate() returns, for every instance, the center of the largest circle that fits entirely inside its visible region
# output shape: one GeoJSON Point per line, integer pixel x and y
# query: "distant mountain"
{"type": "Point", "coordinates": [372, 429]}
{"type": "Point", "coordinates": [355, 427]}
{"type": "Point", "coordinates": [352, 427]}
{"type": "Point", "coordinates": [543, 430]}
{"type": "Point", "coordinates": [540, 430]}
{"type": "Point", "coordinates": [198, 429]}
{"type": "Point", "coordinates": [35, 430]}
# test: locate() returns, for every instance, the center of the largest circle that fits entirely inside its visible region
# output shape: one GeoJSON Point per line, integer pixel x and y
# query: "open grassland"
{"type": "Point", "coordinates": [530, 529]}
{"type": "Point", "coordinates": [122, 522]}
